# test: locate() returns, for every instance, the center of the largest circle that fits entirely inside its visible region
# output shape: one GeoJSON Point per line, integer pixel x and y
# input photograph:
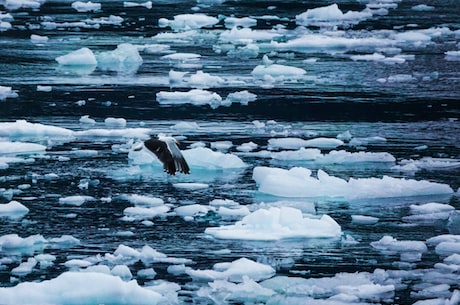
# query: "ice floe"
{"type": "Point", "coordinates": [299, 182]}
{"type": "Point", "coordinates": [185, 22]}
{"type": "Point", "coordinates": [22, 128]}
{"type": "Point", "coordinates": [331, 15]}
{"type": "Point", "coordinates": [20, 148]}
{"type": "Point", "coordinates": [409, 250]}
{"type": "Point", "coordinates": [80, 57]}
{"type": "Point", "coordinates": [234, 271]}
{"type": "Point", "coordinates": [7, 92]}
{"type": "Point", "coordinates": [81, 287]}
{"type": "Point", "coordinates": [13, 209]}
{"type": "Point", "coordinates": [125, 58]}
{"type": "Point", "coordinates": [426, 163]}
{"type": "Point", "coordinates": [278, 223]}
{"type": "Point", "coordinates": [296, 143]}
{"type": "Point", "coordinates": [83, 7]}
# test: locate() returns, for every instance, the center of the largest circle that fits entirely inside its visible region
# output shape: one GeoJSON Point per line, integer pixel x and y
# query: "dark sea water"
{"type": "Point", "coordinates": [410, 99]}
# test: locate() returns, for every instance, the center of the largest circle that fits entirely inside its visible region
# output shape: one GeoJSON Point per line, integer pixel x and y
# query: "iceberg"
{"type": "Point", "coordinates": [331, 15]}
{"type": "Point", "coordinates": [13, 209]}
{"type": "Point", "coordinates": [80, 57]}
{"type": "Point", "coordinates": [278, 223]}
{"type": "Point", "coordinates": [7, 92]}
{"type": "Point", "coordinates": [196, 97]}
{"type": "Point", "coordinates": [81, 287]}
{"type": "Point", "coordinates": [235, 271]}
{"type": "Point", "coordinates": [83, 7]}
{"type": "Point", "coordinates": [125, 58]}
{"type": "Point", "coordinates": [299, 182]}
{"type": "Point", "coordinates": [185, 22]}
{"type": "Point", "coordinates": [20, 148]}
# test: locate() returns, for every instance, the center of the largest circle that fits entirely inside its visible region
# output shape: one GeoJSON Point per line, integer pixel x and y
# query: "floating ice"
{"type": "Point", "coordinates": [147, 4]}
{"type": "Point", "coordinates": [452, 55]}
{"type": "Point", "coordinates": [80, 57]}
{"type": "Point", "coordinates": [75, 200]}
{"type": "Point", "coordinates": [277, 71]}
{"type": "Point", "coordinates": [409, 250]}
{"type": "Point", "coordinates": [142, 200]}
{"type": "Point", "coordinates": [86, 120]}
{"type": "Point", "coordinates": [248, 291]}
{"type": "Point", "coordinates": [17, 4]}
{"type": "Point", "coordinates": [429, 212]}
{"type": "Point", "coordinates": [343, 288]}
{"type": "Point", "coordinates": [185, 22]}
{"type": "Point", "coordinates": [115, 122]}
{"type": "Point", "coordinates": [7, 92]}
{"type": "Point", "coordinates": [186, 126]}
{"type": "Point", "coordinates": [191, 186]}
{"type": "Point", "coordinates": [20, 148]}
{"type": "Point", "coordinates": [125, 58]}
{"type": "Point", "coordinates": [278, 223]}
{"type": "Point", "coordinates": [203, 80]}
{"type": "Point", "coordinates": [242, 97]}
{"type": "Point", "coordinates": [427, 163]}
{"type": "Point", "coordinates": [363, 219]}
{"type": "Point", "coordinates": [296, 143]}
{"type": "Point", "coordinates": [22, 128]}
{"type": "Point", "coordinates": [331, 15]}
{"type": "Point", "coordinates": [196, 97]}
{"type": "Point", "coordinates": [25, 267]}
{"type": "Point", "coordinates": [13, 209]}
{"type": "Point", "coordinates": [447, 248]}
{"type": "Point", "coordinates": [38, 39]}
{"type": "Point", "coordinates": [42, 88]}
{"type": "Point", "coordinates": [222, 145]}
{"type": "Point", "coordinates": [246, 22]}
{"type": "Point", "coordinates": [188, 212]}
{"type": "Point", "coordinates": [141, 213]}
{"type": "Point", "coordinates": [298, 182]}
{"type": "Point", "coordinates": [81, 287]}
{"type": "Point", "coordinates": [235, 271]}
{"type": "Point", "coordinates": [16, 244]}
{"type": "Point", "coordinates": [247, 147]}
{"type": "Point", "coordinates": [83, 7]}
{"type": "Point", "coordinates": [236, 35]}
{"type": "Point", "coordinates": [423, 7]}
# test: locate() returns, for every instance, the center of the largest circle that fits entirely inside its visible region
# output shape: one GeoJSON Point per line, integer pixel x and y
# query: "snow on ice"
{"type": "Point", "coordinates": [278, 223]}
{"type": "Point", "coordinates": [299, 182]}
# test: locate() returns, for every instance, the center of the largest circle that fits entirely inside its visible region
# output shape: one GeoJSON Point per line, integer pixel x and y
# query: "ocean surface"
{"type": "Point", "coordinates": [378, 79]}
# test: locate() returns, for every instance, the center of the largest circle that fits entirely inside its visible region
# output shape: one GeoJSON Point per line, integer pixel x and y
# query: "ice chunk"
{"type": "Point", "coordinates": [20, 148]}
{"type": "Point", "coordinates": [13, 209]}
{"type": "Point", "coordinates": [452, 55]}
{"type": "Point", "coordinates": [125, 58]}
{"type": "Point", "coordinates": [190, 186]}
{"type": "Point", "coordinates": [81, 287]}
{"type": "Point", "coordinates": [192, 210]}
{"type": "Point", "coordinates": [242, 97]}
{"type": "Point", "coordinates": [203, 80]}
{"type": "Point", "coordinates": [147, 4]}
{"type": "Point", "coordinates": [278, 223]}
{"type": "Point", "coordinates": [86, 120]}
{"type": "Point", "coordinates": [330, 15]}
{"type": "Point", "coordinates": [186, 126]}
{"type": "Point", "coordinates": [298, 182]}
{"type": "Point", "coordinates": [75, 200]}
{"type": "Point", "coordinates": [115, 122]}
{"type": "Point", "coordinates": [235, 271]}
{"type": "Point", "coordinates": [185, 22]}
{"type": "Point", "coordinates": [42, 88]}
{"type": "Point", "coordinates": [363, 219]}
{"type": "Point", "coordinates": [38, 39]}
{"type": "Point", "coordinates": [205, 158]}
{"type": "Point", "coordinates": [15, 244]}
{"type": "Point", "coordinates": [145, 212]}
{"type": "Point", "coordinates": [409, 250]}
{"type": "Point", "coordinates": [278, 71]}
{"type": "Point", "coordinates": [222, 145]}
{"type": "Point", "coordinates": [25, 267]}
{"type": "Point", "coordinates": [7, 92]}
{"type": "Point", "coordinates": [144, 200]}
{"type": "Point", "coordinates": [427, 163]}
{"type": "Point", "coordinates": [296, 143]}
{"type": "Point", "coordinates": [80, 57]}
{"type": "Point", "coordinates": [196, 97]}
{"type": "Point", "coordinates": [447, 248]}
{"type": "Point", "coordinates": [431, 207]}
{"type": "Point", "coordinates": [246, 22]}
{"type": "Point", "coordinates": [247, 147]}
{"type": "Point", "coordinates": [65, 241]}
{"type": "Point", "coordinates": [238, 35]}
{"type": "Point", "coordinates": [122, 271]}
{"type": "Point", "coordinates": [248, 291]}
{"type": "Point", "coordinates": [83, 7]}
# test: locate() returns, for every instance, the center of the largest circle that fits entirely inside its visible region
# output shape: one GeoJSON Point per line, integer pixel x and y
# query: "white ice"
{"type": "Point", "coordinates": [147, 4]}
{"type": "Point", "coordinates": [331, 15]}
{"type": "Point", "coordinates": [13, 209]}
{"type": "Point", "coordinates": [429, 212]}
{"type": "Point", "coordinates": [299, 182]}
{"type": "Point", "coordinates": [125, 58]}
{"type": "Point", "coordinates": [81, 287]}
{"type": "Point", "coordinates": [427, 163]}
{"type": "Point", "coordinates": [234, 271]}
{"type": "Point", "coordinates": [83, 7]}
{"type": "Point", "coordinates": [20, 148]}
{"type": "Point", "coordinates": [409, 250]}
{"type": "Point", "coordinates": [296, 143]}
{"type": "Point", "coordinates": [75, 200]}
{"type": "Point", "coordinates": [80, 57]}
{"type": "Point", "coordinates": [7, 92]}
{"type": "Point", "coordinates": [185, 22]}
{"type": "Point", "coordinates": [278, 223]}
